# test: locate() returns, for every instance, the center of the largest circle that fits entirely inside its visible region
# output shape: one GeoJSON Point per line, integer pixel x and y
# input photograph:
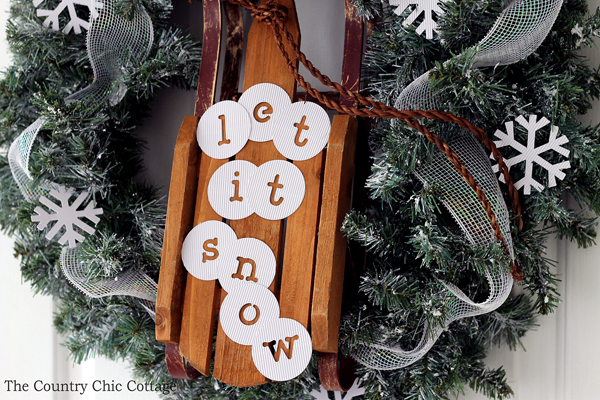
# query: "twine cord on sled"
{"type": "Point", "coordinates": [275, 16]}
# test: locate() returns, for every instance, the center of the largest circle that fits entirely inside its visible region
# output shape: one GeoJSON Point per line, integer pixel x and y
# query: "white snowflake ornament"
{"type": "Point", "coordinates": [75, 22]}
{"type": "Point", "coordinates": [353, 392]}
{"type": "Point", "coordinates": [531, 154]}
{"type": "Point", "coordinates": [66, 215]}
{"type": "Point", "coordinates": [428, 25]}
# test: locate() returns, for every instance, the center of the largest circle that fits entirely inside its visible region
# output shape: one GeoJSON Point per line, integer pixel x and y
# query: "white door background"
{"type": "Point", "coordinates": [561, 359]}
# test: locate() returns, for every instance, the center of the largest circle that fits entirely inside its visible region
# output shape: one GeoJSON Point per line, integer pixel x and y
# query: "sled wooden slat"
{"type": "Point", "coordinates": [301, 246]}
{"type": "Point", "coordinates": [201, 301]}
{"type": "Point", "coordinates": [180, 211]}
{"type": "Point", "coordinates": [331, 249]}
{"type": "Point", "coordinates": [169, 331]}
{"type": "Point", "coordinates": [264, 64]}
{"type": "Point", "coordinates": [202, 298]}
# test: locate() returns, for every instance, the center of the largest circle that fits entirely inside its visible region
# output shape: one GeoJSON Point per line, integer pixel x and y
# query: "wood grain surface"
{"type": "Point", "coordinates": [331, 248]}
{"type": "Point", "coordinates": [202, 298]}
{"type": "Point", "coordinates": [180, 211]}
{"type": "Point", "coordinates": [301, 246]}
{"type": "Point", "coordinates": [233, 362]}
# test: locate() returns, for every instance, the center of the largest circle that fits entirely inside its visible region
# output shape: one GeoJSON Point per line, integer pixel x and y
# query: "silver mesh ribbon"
{"type": "Point", "coordinates": [519, 31]}
{"type": "Point", "coordinates": [114, 43]}
{"type": "Point", "coordinates": [132, 282]}
{"type": "Point", "coordinates": [18, 159]}
{"type": "Point", "coordinates": [458, 196]}
{"type": "Point", "coordinates": [463, 204]}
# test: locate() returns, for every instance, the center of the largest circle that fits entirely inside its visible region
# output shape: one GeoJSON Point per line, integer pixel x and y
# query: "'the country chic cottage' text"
{"type": "Point", "coordinates": [99, 385]}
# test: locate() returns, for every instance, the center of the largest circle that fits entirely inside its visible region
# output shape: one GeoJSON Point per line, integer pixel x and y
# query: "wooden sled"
{"type": "Point", "coordinates": [311, 268]}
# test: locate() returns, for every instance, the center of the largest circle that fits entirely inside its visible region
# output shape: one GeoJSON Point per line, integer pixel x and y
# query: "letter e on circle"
{"type": "Point", "coordinates": [268, 110]}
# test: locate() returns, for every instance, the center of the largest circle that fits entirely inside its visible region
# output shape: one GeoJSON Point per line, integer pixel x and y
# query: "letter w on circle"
{"type": "Point", "coordinates": [281, 346]}
{"type": "Point", "coordinates": [241, 262]}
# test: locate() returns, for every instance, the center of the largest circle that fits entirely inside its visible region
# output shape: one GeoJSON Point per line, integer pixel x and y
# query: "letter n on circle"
{"type": "Point", "coordinates": [241, 262]}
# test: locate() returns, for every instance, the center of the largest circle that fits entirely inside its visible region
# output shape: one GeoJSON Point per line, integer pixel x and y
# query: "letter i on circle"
{"type": "Point", "coordinates": [236, 193]}
{"type": "Point", "coordinates": [224, 132]}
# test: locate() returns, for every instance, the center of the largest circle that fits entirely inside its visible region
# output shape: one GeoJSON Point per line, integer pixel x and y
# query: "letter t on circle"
{"type": "Point", "coordinates": [274, 186]}
{"type": "Point", "coordinates": [300, 125]}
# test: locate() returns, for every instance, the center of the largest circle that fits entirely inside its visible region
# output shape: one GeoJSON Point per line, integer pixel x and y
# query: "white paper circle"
{"type": "Point", "coordinates": [264, 102]}
{"type": "Point", "coordinates": [294, 345]}
{"type": "Point", "coordinates": [204, 248]}
{"type": "Point", "coordinates": [255, 304]}
{"type": "Point", "coordinates": [278, 188]}
{"type": "Point", "coordinates": [302, 131]}
{"type": "Point", "coordinates": [224, 129]}
{"type": "Point", "coordinates": [228, 190]}
{"type": "Point", "coordinates": [245, 262]}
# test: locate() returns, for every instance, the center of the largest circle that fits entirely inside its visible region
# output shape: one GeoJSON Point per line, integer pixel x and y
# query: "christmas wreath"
{"type": "Point", "coordinates": [431, 281]}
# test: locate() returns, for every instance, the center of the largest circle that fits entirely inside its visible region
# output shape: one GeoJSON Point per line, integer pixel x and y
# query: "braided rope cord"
{"type": "Point", "coordinates": [275, 16]}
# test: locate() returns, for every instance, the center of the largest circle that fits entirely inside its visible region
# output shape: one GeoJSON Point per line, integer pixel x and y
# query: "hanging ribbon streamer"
{"type": "Point", "coordinates": [18, 159]}
{"type": "Point", "coordinates": [465, 207]}
{"type": "Point", "coordinates": [518, 31]}
{"type": "Point", "coordinates": [114, 42]}
{"type": "Point", "coordinates": [132, 282]}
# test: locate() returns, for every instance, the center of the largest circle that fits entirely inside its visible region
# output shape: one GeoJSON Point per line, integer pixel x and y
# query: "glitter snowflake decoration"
{"type": "Point", "coordinates": [428, 25]}
{"type": "Point", "coordinates": [66, 215]}
{"type": "Point", "coordinates": [353, 392]}
{"type": "Point", "coordinates": [531, 154]}
{"type": "Point", "coordinates": [75, 22]}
